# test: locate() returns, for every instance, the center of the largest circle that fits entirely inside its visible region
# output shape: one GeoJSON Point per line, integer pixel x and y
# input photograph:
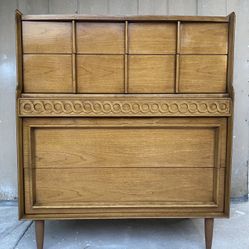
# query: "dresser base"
{"type": "Point", "coordinates": [208, 225]}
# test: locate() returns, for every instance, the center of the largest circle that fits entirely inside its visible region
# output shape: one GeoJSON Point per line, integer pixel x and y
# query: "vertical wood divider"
{"type": "Point", "coordinates": [217, 165]}
{"type": "Point", "coordinates": [73, 37]}
{"type": "Point", "coordinates": [178, 44]}
{"type": "Point", "coordinates": [177, 62]}
{"type": "Point", "coordinates": [216, 182]}
{"type": "Point", "coordinates": [126, 58]}
{"type": "Point", "coordinates": [31, 168]}
{"type": "Point", "coordinates": [74, 79]}
{"type": "Point", "coordinates": [177, 65]}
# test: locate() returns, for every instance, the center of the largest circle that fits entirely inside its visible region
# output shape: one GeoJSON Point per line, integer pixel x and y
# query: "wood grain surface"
{"type": "Point", "coordinates": [48, 73]}
{"type": "Point", "coordinates": [115, 186]}
{"type": "Point", "coordinates": [203, 73]}
{"type": "Point", "coordinates": [124, 142]}
{"type": "Point", "coordinates": [99, 37]}
{"type": "Point", "coordinates": [204, 38]}
{"type": "Point", "coordinates": [122, 209]}
{"type": "Point", "coordinates": [125, 147]}
{"type": "Point", "coordinates": [100, 74]}
{"type": "Point", "coordinates": [47, 37]}
{"type": "Point", "coordinates": [151, 73]}
{"type": "Point", "coordinates": [152, 38]}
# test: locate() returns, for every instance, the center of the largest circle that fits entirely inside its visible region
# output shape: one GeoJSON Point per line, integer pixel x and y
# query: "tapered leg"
{"type": "Point", "coordinates": [209, 227]}
{"type": "Point", "coordinates": [39, 232]}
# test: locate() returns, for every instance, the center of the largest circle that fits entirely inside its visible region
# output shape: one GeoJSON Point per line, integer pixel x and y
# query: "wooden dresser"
{"type": "Point", "coordinates": [124, 117]}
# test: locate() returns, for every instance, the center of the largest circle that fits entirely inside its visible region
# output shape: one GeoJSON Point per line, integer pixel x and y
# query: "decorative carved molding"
{"type": "Point", "coordinates": [124, 107]}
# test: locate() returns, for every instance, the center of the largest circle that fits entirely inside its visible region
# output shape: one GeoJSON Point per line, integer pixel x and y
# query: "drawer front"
{"type": "Point", "coordinates": [151, 73]}
{"type": "Point", "coordinates": [152, 38]}
{"type": "Point", "coordinates": [128, 187]}
{"type": "Point", "coordinates": [100, 73]}
{"type": "Point", "coordinates": [203, 74]}
{"type": "Point", "coordinates": [47, 37]}
{"type": "Point", "coordinates": [129, 163]}
{"type": "Point", "coordinates": [204, 38]}
{"type": "Point", "coordinates": [47, 73]}
{"type": "Point", "coordinates": [100, 37]}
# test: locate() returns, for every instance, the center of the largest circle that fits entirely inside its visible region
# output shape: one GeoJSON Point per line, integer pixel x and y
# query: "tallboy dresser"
{"type": "Point", "coordinates": [124, 117]}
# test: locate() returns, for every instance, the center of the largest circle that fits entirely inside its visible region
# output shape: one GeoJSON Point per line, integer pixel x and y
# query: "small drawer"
{"type": "Point", "coordinates": [100, 38]}
{"type": "Point", "coordinates": [203, 73]}
{"type": "Point", "coordinates": [48, 73]}
{"type": "Point", "coordinates": [152, 38]}
{"type": "Point", "coordinates": [47, 37]}
{"type": "Point", "coordinates": [151, 73]}
{"type": "Point", "coordinates": [100, 73]}
{"type": "Point", "coordinates": [204, 38]}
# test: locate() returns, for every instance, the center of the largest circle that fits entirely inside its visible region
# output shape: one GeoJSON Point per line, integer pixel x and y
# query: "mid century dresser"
{"type": "Point", "coordinates": [124, 117]}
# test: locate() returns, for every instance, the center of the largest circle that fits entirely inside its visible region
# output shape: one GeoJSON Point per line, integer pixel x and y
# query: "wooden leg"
{"type": "Point", "coordinates": [39, 232]}
{"type": "Point", "coordinates": [209, 227]}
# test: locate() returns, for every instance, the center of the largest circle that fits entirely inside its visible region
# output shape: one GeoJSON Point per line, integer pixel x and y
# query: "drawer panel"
{"type": "Point", "coordinates": [125, 143]}
{"type": "Point", "coordinates": [204, 38]}
{"type": "Point", "coordinates": [151, 73]}
{"type": "Point", "coordinates": [48, 74]}
{"type": "Point", "coordinates": [100, 38]}
{"type": "Point", "coordinates": [203, 73]}
{"type": "Point", "coordinates": [152, 38]}
{"type": "Point", "coordinates": [100, 73]}
{"type": "Point", "coordinates": [47, 37]}
{"type": "Point", "coordinates": [93, 187]}
{"type": "Point", "coordinates": [168, 163]}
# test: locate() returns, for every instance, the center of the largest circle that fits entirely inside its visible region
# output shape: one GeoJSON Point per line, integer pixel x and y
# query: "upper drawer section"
{"type": "Point", "coordinates": [47, 37]}
{"type": "Point", "coordinates": [131, 55]}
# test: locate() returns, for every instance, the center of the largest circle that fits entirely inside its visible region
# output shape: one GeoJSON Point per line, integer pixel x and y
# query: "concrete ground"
{"type": "Point", "coordinates": [230, 233]}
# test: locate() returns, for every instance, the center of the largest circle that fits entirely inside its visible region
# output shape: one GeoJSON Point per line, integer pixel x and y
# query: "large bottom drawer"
{"type": "Point", "coordinates": [125, 165]}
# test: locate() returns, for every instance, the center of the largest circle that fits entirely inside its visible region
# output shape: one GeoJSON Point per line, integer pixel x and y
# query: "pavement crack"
{"type": "Point", "coordinates": [10, 230]}
{"type": "Point", "coordinates": [20, 238]}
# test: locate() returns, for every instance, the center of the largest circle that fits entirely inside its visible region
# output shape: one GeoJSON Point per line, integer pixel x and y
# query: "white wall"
{"type": "Point", "coordinates": [8, 178]}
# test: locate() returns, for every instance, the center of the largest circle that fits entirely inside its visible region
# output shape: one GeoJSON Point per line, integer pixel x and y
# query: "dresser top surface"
{"type": "Point", "coordinates": [129, 18]}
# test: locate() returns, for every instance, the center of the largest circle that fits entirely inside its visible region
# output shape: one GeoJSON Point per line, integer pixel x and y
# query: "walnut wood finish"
{"type": "Point", "coordinates": [124, 117]}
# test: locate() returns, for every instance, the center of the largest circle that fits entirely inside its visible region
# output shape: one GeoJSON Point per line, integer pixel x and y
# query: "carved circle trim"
{"type": "Point", "coordinates": [96, 107]}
